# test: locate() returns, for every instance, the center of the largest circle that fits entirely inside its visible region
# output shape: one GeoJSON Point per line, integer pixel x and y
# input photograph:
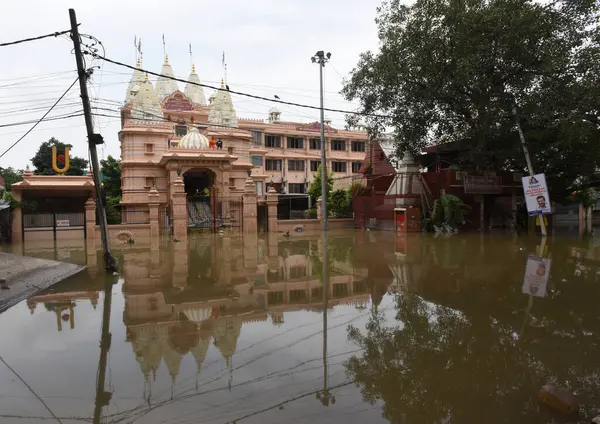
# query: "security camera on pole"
{"type": "Point", "coordinates": [321, 58]}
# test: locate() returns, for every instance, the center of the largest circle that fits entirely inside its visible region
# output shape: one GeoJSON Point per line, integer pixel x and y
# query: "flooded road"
{"type": "Point", "coordinates": [464, 329]}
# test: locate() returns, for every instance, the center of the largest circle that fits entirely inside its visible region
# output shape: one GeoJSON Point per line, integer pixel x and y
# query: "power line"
{"type": "Point", "coordinates": [39, 37]}
{"type": "Point", "coordinates": [30, 389]}
{"type": "Point", "coordinates": [156, 74]}
{"type": "Point", "coordinates": [32, 121]}
{"type": "Point", "coordinates": [41, 119]}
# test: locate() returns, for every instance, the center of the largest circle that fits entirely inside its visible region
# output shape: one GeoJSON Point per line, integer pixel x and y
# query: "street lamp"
{"type": "Point", "coordinates": [321, 58]}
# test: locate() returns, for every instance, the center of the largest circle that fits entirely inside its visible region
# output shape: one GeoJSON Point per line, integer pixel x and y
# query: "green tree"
{"type": "Point", "coordinates": [113, 210]}
{"type": "Point", "coordinates": [111, 176]}
{"type": "Point", "coordinates": [11, 176]}
{"type": "Point", "coordinates": [42, 161]}
{"type": "Point", "coordinates": [314, 190]}
{"type": "Point", "coordinates": [339, 203]}
{"type": "Point", "coordinates": [451, 71]}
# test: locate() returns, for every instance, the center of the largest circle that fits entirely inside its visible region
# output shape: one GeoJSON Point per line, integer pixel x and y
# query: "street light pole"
{"type": "Point", "coordinates": [321, 58]}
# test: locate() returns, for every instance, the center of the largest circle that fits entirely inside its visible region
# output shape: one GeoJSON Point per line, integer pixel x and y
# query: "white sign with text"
{"type": "Point", "coordinates": [536, 195]}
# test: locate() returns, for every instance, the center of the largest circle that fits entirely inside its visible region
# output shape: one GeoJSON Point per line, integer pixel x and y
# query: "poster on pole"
{"type": "Point", "coordinates": [537, 273]}
{"type": "Point", "coordinates": [536, 195]}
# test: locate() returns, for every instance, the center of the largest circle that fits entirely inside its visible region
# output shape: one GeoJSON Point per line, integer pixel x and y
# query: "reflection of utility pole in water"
{"type": "Point", "coordinates": [325, 396]}
{"type": "Point", "coordinates": [103, 397]}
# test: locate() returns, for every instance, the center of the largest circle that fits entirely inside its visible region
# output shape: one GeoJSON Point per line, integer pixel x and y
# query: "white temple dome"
{"type": "Point", "coordinates": [146, 105]}
{"type": "Point", "coordinates": [193, 91]}
{"type": "Point", "coordinates": [134, 84]}
{"type": "Point", "coordinates": [222, 112]}
{"type": "Point", "coordinates": [165, 86]}
{"type": "Point", "coordinates": [194, 140]}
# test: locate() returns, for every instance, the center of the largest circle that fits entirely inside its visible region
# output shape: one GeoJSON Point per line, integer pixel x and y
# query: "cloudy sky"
{"type": "Point", "coordinates": [267, 45]}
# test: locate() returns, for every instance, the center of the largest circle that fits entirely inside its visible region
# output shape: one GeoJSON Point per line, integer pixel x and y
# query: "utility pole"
{"type": "Point", "coordinates": [321, 58]}
{"type": "Point", "coordinates": [93, 140]}
{"type": "Point", "coordinates": [528, 160]}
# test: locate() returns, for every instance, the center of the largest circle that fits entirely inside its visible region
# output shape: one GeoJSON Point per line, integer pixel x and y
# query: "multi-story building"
{"type": "Point", "coordinates": [167, 132]}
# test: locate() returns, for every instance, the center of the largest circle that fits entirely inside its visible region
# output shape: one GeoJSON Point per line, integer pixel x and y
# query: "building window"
{"type": "Point", "coordinates": [180, 130]}
{"type": "Point", "coordinates": [315, 144]}
{"type": "Point", "coordinates": [273, 164]}
{"type": "Point", "coordinates": [230, 150]}
{"type": "Point", "coordinates": [272, 141]}
{"type": "Point", "coordinates": [314, 165]}
{"type": "Point", "coordinates": [356, 167]}
{"type": "Point", "coordinates": [339, 145]}
{"type": "Point", "coordinates": [259, 188]}
{"type": "Point", "coordinates": [296, 188]}
{"type": "Point", "coordinates": [257, 160]}
{"type": "Point", "coordinates": [256, 138]}
{"type": "Point", "coordinates": [149, 148]}
{"type": "Point", "coordinates": [295, 165]}
{"type": "Point", "coordinates": [359, 146]}
{"type": "Point", "coordinates": [338, 166]}
{"type": "Point", "coordinates": [295, 143]}
{"type": "Point", "coordinates": [298, 271]}
{"type": "Point", "coordinates": [148, 183]}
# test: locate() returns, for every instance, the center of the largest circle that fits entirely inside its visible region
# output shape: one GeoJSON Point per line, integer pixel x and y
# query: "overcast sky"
{"type": "Point", "coordinates": [267, 44]}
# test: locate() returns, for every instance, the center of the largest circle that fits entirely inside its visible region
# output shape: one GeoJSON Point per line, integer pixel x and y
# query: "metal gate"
{"type": "Point", "coordinates": [215, 213]}
{"type": "Point", "coordinates": [55, 225]}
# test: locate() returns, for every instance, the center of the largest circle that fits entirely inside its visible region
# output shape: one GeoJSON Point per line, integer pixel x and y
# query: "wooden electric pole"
{"type": "Point", "coordinates": [93, 140]}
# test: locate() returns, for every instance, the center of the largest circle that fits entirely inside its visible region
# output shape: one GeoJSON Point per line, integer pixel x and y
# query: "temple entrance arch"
{"type": "Point", "coordinates": [200, 192]}
{"type": "Point", "coordinates": [209, 206]}
{"type": "Point", "coordinates": [199, 182]}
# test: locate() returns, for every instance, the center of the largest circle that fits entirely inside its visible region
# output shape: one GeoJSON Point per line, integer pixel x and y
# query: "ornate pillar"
{"type": "Point", "coordinates": [153, 203]}
{"type": "Point", "coordinates": [272, 200]}
{"type": "Point", "coordinates": [90, 223]}
{"type": "Point", "coordinates": [250, 223]}
{"type": "Point", "coordinates": [179, 210]}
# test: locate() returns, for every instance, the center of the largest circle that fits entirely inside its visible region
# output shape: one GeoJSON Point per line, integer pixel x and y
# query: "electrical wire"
{"type": "Point", "coordinates": [39, 37]}
{"type": "Point", "coordinates": [54, 118]}
{"type": "Point", "coordinates": [30, 389]}
{"type": "Point", "coordinates": [41, 119]}
{"type": "Point", "coordinates": [253, 96]}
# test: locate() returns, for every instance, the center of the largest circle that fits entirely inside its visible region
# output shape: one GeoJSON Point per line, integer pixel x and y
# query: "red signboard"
{"type": "Point", "coordinates": [315, 126]}
{"type": "Point", "coordinates": [477, 184]}
{"type": "Point", "coordinates": [178, 101]}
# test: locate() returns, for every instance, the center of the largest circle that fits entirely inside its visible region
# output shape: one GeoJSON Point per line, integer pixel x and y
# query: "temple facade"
{"type": "Point", "coordinates": [169, 133]}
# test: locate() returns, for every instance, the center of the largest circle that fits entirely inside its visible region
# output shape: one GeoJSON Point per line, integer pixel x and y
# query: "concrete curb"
{"type": "Point", "coordinates": [26, 276]}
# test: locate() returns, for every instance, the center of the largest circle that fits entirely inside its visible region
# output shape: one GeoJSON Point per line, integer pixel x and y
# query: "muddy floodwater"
{"type": "Point", "coordinates": [220, 329]}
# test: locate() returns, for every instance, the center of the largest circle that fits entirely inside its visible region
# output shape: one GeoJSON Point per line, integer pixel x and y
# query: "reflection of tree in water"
{"type": "Point", "coordinates": [441, 365]}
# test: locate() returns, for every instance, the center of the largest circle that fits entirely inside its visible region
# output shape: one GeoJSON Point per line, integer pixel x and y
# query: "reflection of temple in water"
{"type": "Point", "coordinates": [181, 300]}
{"type": "Point", "coordinates": [208, 289]}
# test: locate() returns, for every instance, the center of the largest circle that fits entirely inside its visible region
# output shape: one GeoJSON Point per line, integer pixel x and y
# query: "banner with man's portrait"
{"type": "Point", "coordinates": [537, 274]}
{"type": "Point", "coordinates": [536, 195]}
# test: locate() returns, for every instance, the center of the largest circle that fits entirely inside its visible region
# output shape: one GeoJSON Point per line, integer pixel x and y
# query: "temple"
{"type": "Point", "coordinates": [168, 133]}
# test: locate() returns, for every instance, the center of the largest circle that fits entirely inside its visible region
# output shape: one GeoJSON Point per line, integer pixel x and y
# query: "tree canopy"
{"type": "Point", "coordinates": [11, 176]}
{"type": "Point", "coordinates": [111, 176]}
{"type": "Point", "coordinates": [452, 71]}
{"type": "Point", "coordinates": [42, 161]}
